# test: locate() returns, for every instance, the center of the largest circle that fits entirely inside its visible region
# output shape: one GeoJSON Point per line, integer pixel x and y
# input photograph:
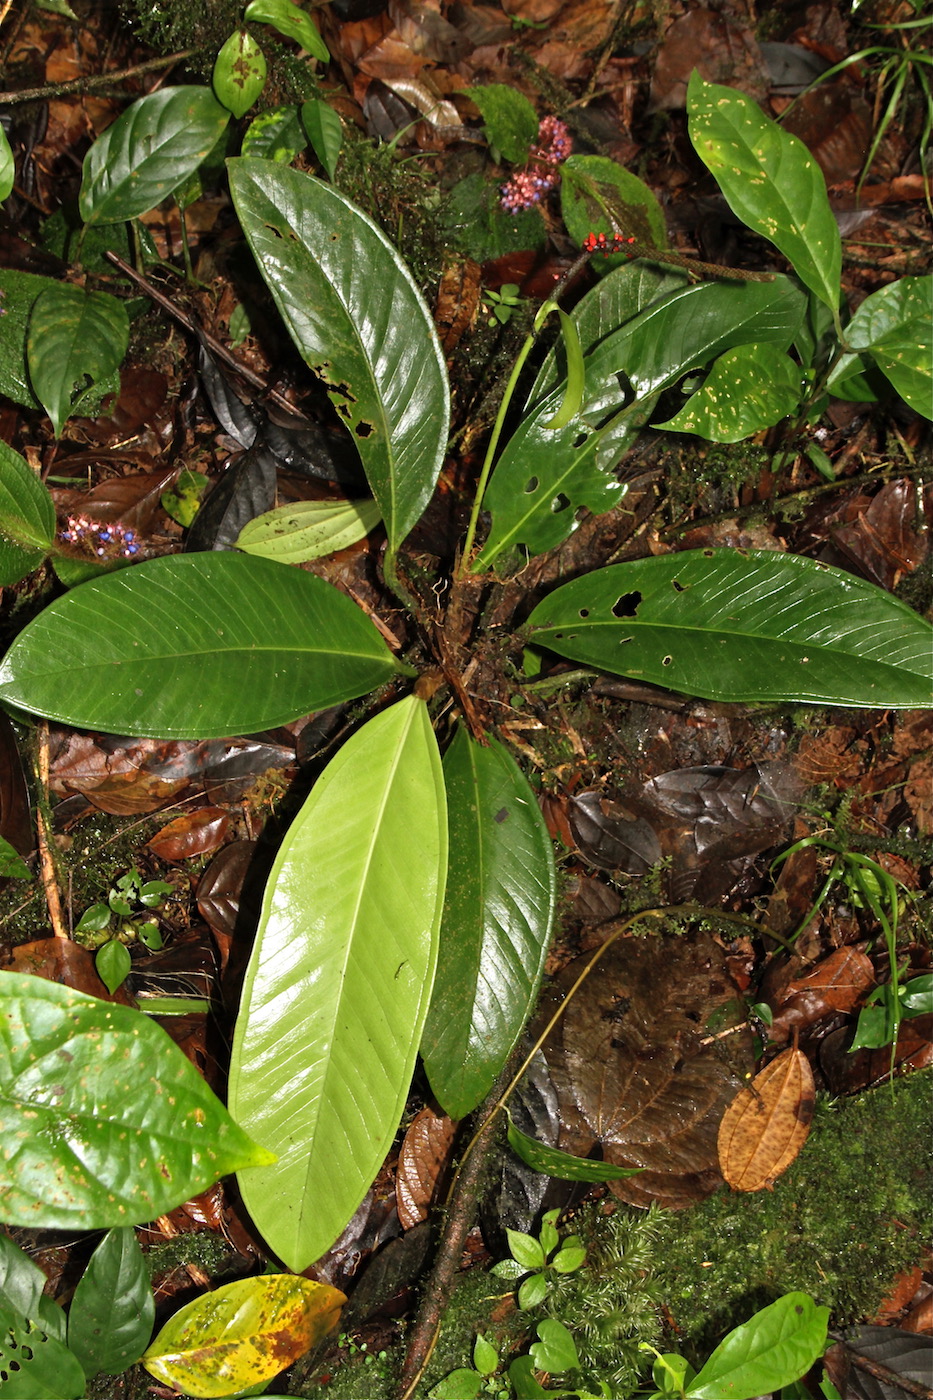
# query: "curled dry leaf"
{"type": "Point", "coordinates": [835, 984]}
{"type": "Point", "coordinates": [767, 1123]}
{"type": "Point", "coordinates": [421, 1161]}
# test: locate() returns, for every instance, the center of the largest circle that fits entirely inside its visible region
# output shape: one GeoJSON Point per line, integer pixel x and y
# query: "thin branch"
{"type": "Point", "coordinates": [80, 86]}
{"type": "Point", "coordinates": [44, 832]}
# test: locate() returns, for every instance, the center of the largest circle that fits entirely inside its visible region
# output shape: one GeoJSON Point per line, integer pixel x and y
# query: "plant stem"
{"type": "Point", "coordinates": [82, 85]}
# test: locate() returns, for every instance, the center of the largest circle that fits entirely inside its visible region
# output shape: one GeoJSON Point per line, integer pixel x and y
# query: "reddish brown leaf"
{"type": "Point", "coordinates": [60, 960]}
{"type": "Point", "coordinates": [766, 1124]}
{"type": "Point", "coordinates": [720, 48]}
{"type": "Point", "coordinates": [424, 1155]}
{"type": "Point", "coordinates": [193, 835]}
{"type": "Point", "coordinates": [835, 984]}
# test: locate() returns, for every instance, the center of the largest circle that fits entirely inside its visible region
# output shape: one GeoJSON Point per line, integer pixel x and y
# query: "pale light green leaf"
{"type": "Point", "coordinates": [496, 927]}
{"type": "Point", "coordinates": [196, 646]}
{"type": "Point", "coordinates": [239, 72]}
{"type": "Point", "coordinates": [76, 339]}
{"type": "Point", "coordinates": [308, 530]}
{"type": "Point", "coordinates": [729, 624]}
{"type": "Point", "coordinates": [339, 981]}
{"type": "Point", "coordinates": [105, 1121]}
{"type": "Point", "coordinates": [7, 167]}
{"type": "Point", "coordinates": [895, 327]}
{"type": "Point", "coordinates": [747, 389]}
{"type": "Point", "coordinates": [358, 319]}
{"type": "Point", "coordinates": [775, 1347]}
{"type": "Point", "coordinates": [111, 1314]}
{"type": "Point", "coordinates": [553, 1162]}
{"type": "Point", "coordinates": [148, 152]}
{"type": "Point", "coordinates": [770, 180]}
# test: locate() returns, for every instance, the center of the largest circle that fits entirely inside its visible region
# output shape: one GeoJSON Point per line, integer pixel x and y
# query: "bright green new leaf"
{"type": "Point", "coordinates": [148, 152]}
{"type": "Point", "coordinates": [355, 314]}
{"type": "Point", "coordinates": [511, 121]}
{"type": "Point", "coordinates": [544, 477]}
{"type": "Point", "coordinates": [339, 981]}
{"type": "Point", "coordinates": [770, 181]}
{"type": "Point", "coordinates": [729, 624]}
{"type": "Point", "coordinates": [524, 1383]}
{"type": "Point", "coordinates": [34, 1365]}
{"type": "Point", "coordinates": [496, 927]}
{"type": "Point", "coordinates": [7, 165]}
{"type": "Point", "coordinates": [275, 135]}
{"type": "Point", "coordinates": [461, 1384]}
{"type": "Point", "coordinates": [525, 1249]}
{"type": "Point", "coordinates": [103, 1119]}
{"type": "Point", "coordinates": [239, 73]}
{"type": "Point", "coordinates": [242, 1334]}
{"type": "Point", "coordinates": [747, 389]}
{"type": "Point", "coordinates": [775, 1347]}
{"type": "Point", "coordinates": [325, 132]}
{"type": "Point", "coordinates": [597, 195]}
{"type": "Point", "coordinates": [553, 1162]}
{"type": "Point", "coordinates": [27, 518]}
{"type": "Point", "coordinates": [895, 327]}
{"type": "Point", "coordinates": [196, 646]}
{"type": "Point", "coordinates": [112, 963]}
{"type": "Point", "coordinates": [308, 529]}
{"type": "Point", "coordinates": [556, 1351]}
{"type": "Point", "coordinates": [112, 1311]}
{"type": "Point", "coordinates": [290, 20]}
{"type": "Point", "coordinates": [76, 340]}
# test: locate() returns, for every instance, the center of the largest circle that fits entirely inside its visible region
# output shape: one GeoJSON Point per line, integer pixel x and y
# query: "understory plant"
{"type": "Point", "coordinates": [369, 950]}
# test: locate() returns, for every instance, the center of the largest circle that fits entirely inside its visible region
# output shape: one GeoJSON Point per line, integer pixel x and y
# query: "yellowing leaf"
{"type": "Point", "coordinates": [766, 1124]}
{"type": "Point", "coordinates": [243, 1333]}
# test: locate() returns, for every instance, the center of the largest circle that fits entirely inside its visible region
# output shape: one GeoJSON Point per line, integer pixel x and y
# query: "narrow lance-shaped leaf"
{"type": "Point", "coordinates": [355, 314]}
{"type": "Point", "coordinates": [197, 646]}
{"type": "Point", "coordinates": [770, 180]}
{"type": "Point", "coordinates": [105, 1121]}
{"type": "Point", "coordinates": [324, 131]}
{"type": "Point", "coordinates": [339, 981]}
{"type": "Point", "coordinates": [289, 19]}
{"type": "Point", "coordinates": [730, 624]}
{"type": "Point", "coordinates": [564, 1165]}
{"type": "Point", "coordinates": [496, 927]}
{"type": "Point", "coordinates": [76, 340]}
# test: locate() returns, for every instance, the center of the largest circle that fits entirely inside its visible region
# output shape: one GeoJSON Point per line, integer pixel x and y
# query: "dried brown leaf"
{"type": "Point", "coordinates": [421, 1162]}
{"type": "Point", "coordinates": [834, 985]}
{"type": "Point", "coordinates": [767, 1123]}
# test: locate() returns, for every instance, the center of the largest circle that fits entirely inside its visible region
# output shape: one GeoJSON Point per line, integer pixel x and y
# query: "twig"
{"type": "Point", "coordinates": [46, 861]}
{"type": "Point", "coordinates": [84, 85]}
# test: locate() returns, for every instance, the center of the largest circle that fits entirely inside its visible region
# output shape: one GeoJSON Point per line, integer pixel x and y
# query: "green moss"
{"type": "Point", "coordinates": [202, 1247]}
{"type": "Point", "coordinates": [400, 197]}
{"type": "Point", "coordinates": [851, 1213]}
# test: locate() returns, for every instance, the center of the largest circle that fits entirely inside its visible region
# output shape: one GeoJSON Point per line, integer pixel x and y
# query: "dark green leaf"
{"type": "Point", "coordinates": [112, 962]}
{"type": "Point", "coordinates": [358, 319]}
{"type": "Point", "coordinates": [770, 180]}
{"type": "Point", "coordinates": [544, 477]}
{"type": "Point", "coordinates": [77, 339]}
{"type": "Point", "coordinates": [288, 19]}
{"type": "Point", "coordinates": [747, 389]}
{"type": "Point", "coordinates": [552, 1162]}
{"type": "Point", "coordinates": [275, 135]}
{"type": "Point", "coordinates": [106, 1121]}
{"type": "Point", "coordinates": [496, 926]}
{"type": "Point", "coordinates": [7, 167]}
{"type": "Point", "coordinates": [339, 981]}
{"type": "Point", "coordinates": [148, 152]}
{"type": "Point", "coordinates": [194, 645]}
{"type": "Point", "coordinates": [18, 294]}
{"type": "Point", "coordinates": [325, 132]}
{"type": "Point", "coordinates": [112, 1312]}
{"type": "Point", "coordinates": [21, 1281]}
{"type": "Point", "coordinates": [776, 1346]}
{"type": "Point", "coordinates": [239, 73]}
{"type": "Point", "coordinates": [27, 518]}
{"type": "Point", "coordinates": [743, 625]}
{"type": "Point", "coordinates": [511, 121]}
{"type": "Point", "coordinates": [597, 195]}
{"type": "Point", "coordinates": [33, 1364]}
{"type": "Point", "coordinates": [895, 327]}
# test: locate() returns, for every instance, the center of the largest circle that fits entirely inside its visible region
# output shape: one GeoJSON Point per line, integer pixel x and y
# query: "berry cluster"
{"type": "Point", "coordinates": [604, 243]}
{"type": "Point", "coordinates": [100, 539]}
{"type": "Point", "coordinates": [528, 187]}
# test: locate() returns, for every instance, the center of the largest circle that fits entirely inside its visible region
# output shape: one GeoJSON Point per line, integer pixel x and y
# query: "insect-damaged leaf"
{"type": "Point", "coordinates": [242, 1333]}
{"type": "Point", "coordinates": [767, 1123]}
{"type": "Point", "coordinates": [355, 314]}
{"type": "Point", "coordinates": [105, 1121]}
{"type": "Point", "coordinates": [339, 981]}
{"type": "Point", "coordinates": [730, 624]}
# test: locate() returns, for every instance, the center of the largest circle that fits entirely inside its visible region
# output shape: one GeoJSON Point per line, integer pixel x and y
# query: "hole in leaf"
{"type": "Point", "coordinates": [584, 612]}
{"type": "Point", "coordinates": [677, 586]}
{"type": "Point", "coordinates": [666, 660]}
{"type": "Point", "coordinates": [580, 439]}
{"type": "Point", "coordinates": [363, 429]}
{"type": "Point", "coordinates": [559, 503]}
{"type": "Point", "coordinates": [531, 485]}
{"type": "Point", "coordinates": [626, 605]}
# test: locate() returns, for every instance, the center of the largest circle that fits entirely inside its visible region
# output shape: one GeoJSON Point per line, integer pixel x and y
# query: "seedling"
{"type": "Point", "coordinates": [536, 1260]}
{"type": "Point", "coordinates": [110, 927]}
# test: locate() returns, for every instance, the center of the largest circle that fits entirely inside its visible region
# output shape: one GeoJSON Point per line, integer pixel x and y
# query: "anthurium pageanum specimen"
{"type": "Point", "coordinates": [339, 981]}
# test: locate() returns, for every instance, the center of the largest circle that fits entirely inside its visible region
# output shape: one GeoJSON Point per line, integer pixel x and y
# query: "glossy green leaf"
{"type": "Point", "coordinates": [196, 646]}
{"type": "Point", "coordinates": [7, 166]}
{"type": "Point", "coordinates": [496, 927]}
{"type": "Point", "coordinates": [325, 132]}
{"type": "Point", "coordinates": [525, 1249]}
{"type": "Point", "coordinates": [12, 865]}
{"type": "Point", "coordinates": [239, 74]}
{"type": "Point", "coordinates": [290, 20]}
{"type": "Point", "coordinates": [148, 152]}
{"type": "Point", "coordinates": [747, 389]}
{"type": "Point", "coordinates": [112, 1311]}
{"type": "Point", "coordinates": [76, 340]}
{"type": "Point", "coordinates": [895, 327]}
{"type": "Point", "coordinates": [104, 1120]}
{"type": "Point", "coordinates": [34, 1365]}
{"type": "Point", "coordinates": [308, 530]}
{"type": "Point", "coordinates": [770, 181]}
{"type": "Point", "coordinates": [352, 308]}
{"type": "Point", "coordinates": [575, 384]}
{"type": "Point", "coordinates": [544, 477]}
{"type": "Point", "coordinates": [524, 1383]}
{"type": "Point", "coordinates": [27, 518]}
{"type": "Point", "coordinates": [729, 624]}
{"type": "Point", "coordinates": [552, 1162]}
{"type": "Point", "coordinates": [597, 195]}
{"type": "Point", "coordinates": [485, 1356]}
{"type": "Point", "coordinates": [510, 119]}
{"type": "Point", "coordinates": [242, 1334]}
{"type": "Point", "coordinates": [19, 292]}
{"type": "Point", "coordinates": [21, 1281]}
{"type": "Point", "coordinates": [275, 135]}
{"type": "Point", "coordinates": [112, 963]}
{"type": "Point", "coordinates": [339, 981]}
{"type": "Point", "coordinates": [556, 1351]}
{"type": "Point", "coordinates": [776, 1346]}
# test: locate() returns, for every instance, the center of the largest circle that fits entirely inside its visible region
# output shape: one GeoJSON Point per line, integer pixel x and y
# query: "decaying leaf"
{"type": "Point", "coordinates": [767, 1123]}
{"type": "Point", "coordinates": [835, 984]}
{"type": "Point", "coordinates": [421, 1161]}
